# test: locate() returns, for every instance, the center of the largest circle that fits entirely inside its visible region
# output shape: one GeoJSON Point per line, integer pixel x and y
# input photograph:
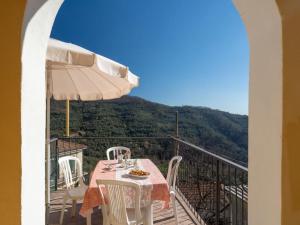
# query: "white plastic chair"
{"type": "Point", "coordinates": [118, 150]}
{"type": "Point", "coordinates": [115, 212]}
{"type": "Point", "coordinates": [72, 192]}
{"type": "Point", "coordinates": [171, 179]}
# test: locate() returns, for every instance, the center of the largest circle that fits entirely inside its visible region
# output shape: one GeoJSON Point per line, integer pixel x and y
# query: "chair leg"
{"type": "Point", "coordinates": [173, 199]}
{"type": "Point", "coordinates": [89, 219]}
{"type": "Point", "coordinates": [148, 216]}
{"type": "Point", "coordinates": [63, 210]}
{"type": "Point", "coordinates": [104, 215]}
{"type": "Point", "coordinates": [105, 221]}
{"type": "Point", "coordinates": [74, 202]}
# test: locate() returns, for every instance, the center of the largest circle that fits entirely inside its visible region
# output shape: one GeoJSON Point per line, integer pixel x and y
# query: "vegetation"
{"type": "Point", "coordinates": [220, 132]}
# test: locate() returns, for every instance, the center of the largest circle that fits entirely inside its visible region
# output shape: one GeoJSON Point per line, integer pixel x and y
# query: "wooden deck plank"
{"type": "Point", "coordinates": [160, 217]}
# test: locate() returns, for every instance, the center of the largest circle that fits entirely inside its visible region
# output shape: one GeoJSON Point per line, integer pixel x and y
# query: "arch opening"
{"type": "Point", "coordinates": [37, 30]}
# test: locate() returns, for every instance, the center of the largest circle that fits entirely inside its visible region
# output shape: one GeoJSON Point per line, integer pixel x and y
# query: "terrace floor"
{"type": "Point", "coordinates": [160, 217]}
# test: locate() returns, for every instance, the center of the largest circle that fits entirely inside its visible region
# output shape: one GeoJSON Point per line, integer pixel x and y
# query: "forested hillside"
{"type": "Point", "coordinates": [220, 132]}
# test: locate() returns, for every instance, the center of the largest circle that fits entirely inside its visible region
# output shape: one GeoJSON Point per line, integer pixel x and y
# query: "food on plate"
{"type": "Point", "coordinates": [139, 173]}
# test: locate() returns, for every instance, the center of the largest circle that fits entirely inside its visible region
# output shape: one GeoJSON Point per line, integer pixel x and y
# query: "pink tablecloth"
{"type": "Point", "coordinates": [160, 189]}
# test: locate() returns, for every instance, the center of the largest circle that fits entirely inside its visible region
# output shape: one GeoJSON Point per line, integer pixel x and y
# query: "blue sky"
{"type": "Point", "coordinates": [186, 52]}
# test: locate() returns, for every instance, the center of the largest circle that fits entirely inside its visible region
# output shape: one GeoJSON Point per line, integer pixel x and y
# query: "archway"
{"type": "Point", "coordinates": [38, 20]}
{"type": "Point", "coordinates": [264, 26]}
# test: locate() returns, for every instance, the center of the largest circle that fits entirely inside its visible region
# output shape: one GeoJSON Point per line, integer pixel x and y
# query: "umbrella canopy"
{"type": "Point", "coordinates": [75, 73]}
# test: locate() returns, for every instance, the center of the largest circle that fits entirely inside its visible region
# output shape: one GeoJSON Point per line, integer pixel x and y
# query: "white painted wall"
{"type": "Point", "coordinates": [38, 21]}
{"type": "Point", "coordinates": [263, 23]}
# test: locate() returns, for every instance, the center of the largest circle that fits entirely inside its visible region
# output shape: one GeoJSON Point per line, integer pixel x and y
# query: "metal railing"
{"type": "Point", "coordinates": [215, 188]}
{"type": "Point", "coordinates": [54, 164]}
{"type": "Point", "coordinates": [159, 149]}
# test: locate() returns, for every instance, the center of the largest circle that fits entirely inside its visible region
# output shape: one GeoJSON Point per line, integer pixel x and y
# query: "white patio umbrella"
{"type": "Point", "coordinates": [75, 73]}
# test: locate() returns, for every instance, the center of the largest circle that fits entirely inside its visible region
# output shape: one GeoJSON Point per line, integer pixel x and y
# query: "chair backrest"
{"type": "Point", "coordinates": [65, 166]}
{"type": "Point", "coordinates": [114, 212]}
{"type": "Point", "coordinates": [118, 150]}
{"type": "Point", "coordinates": [173, 170]}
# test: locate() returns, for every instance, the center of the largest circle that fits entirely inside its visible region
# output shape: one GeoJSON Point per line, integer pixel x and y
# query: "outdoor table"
{"type": "Point", "coordinates": [155, 185]}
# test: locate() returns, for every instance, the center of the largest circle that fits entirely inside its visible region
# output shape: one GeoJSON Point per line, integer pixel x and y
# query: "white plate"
{"type": "Point", "coordinates": [138, 177]}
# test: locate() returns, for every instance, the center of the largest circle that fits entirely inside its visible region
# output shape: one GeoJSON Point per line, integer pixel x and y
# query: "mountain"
{"type": "Point", "coordinates": [220, 132]}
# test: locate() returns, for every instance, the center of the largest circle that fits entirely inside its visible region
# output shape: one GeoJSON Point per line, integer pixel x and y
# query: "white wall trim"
{"type": "Point", "coordinates": [38, 21]}
{"type": "Point", "coordinates": [263, 23]}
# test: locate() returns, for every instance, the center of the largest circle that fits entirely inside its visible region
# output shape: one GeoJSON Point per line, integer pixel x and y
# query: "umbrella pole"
{"type": "Point", "coordinates": [67, 117]}
{"type": "Point", "coordinates": [47, 159]}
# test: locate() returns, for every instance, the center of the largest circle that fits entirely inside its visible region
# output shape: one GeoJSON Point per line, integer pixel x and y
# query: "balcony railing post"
{"type": "Point", "coordinates": [56, 165]}
{"type": "Point", "coordinates": [177, 129]}
{"type": "Point", "coordinates": [218, 198]}
{"type": "Point", "coordinates": [176, 150]}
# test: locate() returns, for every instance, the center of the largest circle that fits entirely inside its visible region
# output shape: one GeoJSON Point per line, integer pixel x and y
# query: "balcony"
{"type": "Point", "coordinates": [211, 190]}
{"type": "Point", "coordinates": [161, 217]}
